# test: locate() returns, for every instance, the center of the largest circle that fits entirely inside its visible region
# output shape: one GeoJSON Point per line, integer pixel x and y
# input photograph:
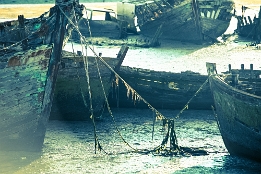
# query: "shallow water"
{"type": "Point", "coordinates": [69, 147]}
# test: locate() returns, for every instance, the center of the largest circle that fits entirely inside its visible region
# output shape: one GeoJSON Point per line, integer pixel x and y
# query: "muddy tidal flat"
{"type": "Point", "coordinates": [69, 147]}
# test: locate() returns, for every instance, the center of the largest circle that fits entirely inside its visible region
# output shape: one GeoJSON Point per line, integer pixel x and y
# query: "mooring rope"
{"type": "Point", "coordinates": [86, 67]}
{"type": "Point", "coordinates": [187, 104]}
{"type": "Point", "coordinates": [158, 114]}
{"type": "Point", "coordinates": [89, 27]}
{"type": "Point", "coordinates": [85, 59]}
{"type": "Point", "coordinates": [116, 74]}
{"type": "Point", "coordinates": [170, 133]}
{"type": "Point", "coordinates": [106, 100]}
{"type": "Point", "coordinates": [83, 97]}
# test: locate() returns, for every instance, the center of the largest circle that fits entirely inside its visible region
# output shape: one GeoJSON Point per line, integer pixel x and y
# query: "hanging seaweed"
{"type": "Point", "coordinates": [168, 124]}
{"type": "Point", "coordinates": [169, 137]}
{"type": "Point", "coordinates": [131, 92]}
{"type": "Point", "coordinates": [128, 89]}
{"type": "Point", "coordinates": [174, 149]}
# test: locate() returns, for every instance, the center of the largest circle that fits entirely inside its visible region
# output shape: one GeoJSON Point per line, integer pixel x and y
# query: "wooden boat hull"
{"type": "Point", "coordinates": [28, 69]}
{"type": "Point", "coordinates": [12, 31]}
{"type": "Point", "coordinates": [163, 90]}
{"type": "Point", "coordinates": [188, 20]}
{"type": "Point", "coordinates": [23, 86]}
{"type": "Point", "coordinates": [72, 86]}
{"type": "Point", "coordinates": [250, 27]}
{"type": "Point", "coordinates": [99, 28]}
{"type": "Point", "coordinates": [239, 119]}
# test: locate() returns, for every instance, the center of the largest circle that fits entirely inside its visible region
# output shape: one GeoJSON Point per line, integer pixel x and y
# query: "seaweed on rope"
{"type": "Point", "coordinates": [162, 149]}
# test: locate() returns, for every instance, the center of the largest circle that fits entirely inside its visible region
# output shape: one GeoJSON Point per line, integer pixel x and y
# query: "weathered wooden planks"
{"type": "Point", "coordinates": [163, 90]}
{"type": "Point", "coordinates": [28, 73]}
{"type": "Point", "coordinates": [183, 20]}
{"type": "Point", "coordinates": [238, 115]}
{"type": "Point", "coordinates": [72, 87]}
{"type": "Point", "coordinates": [250, 26]}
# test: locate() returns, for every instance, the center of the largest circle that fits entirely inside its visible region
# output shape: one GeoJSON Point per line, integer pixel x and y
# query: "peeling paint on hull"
{"type": "Point", "coordinates": [28, 72]}
{"type": "Point", "coordinates": [22, 87]}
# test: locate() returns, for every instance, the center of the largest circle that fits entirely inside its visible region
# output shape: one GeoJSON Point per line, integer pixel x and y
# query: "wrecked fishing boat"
{"type": "Point", "coordinates": [249, 26]}
{"type": "Point", "coordinates": [183, 20]}
{"type": "Point", "coordinates": [28, 71]}
{"type": "Point", "coordinates": [100, 23]}
{"type": "Point", "coordinates": [163, 90]}
{"type": "Point", "coordinates": [80, 82]}
{"type": "Point", "coordinates": [14, 31]}
{"type": "Point", "coordinates": [237, 97]}
{"type": "Point", "coordinates": [100, 27]}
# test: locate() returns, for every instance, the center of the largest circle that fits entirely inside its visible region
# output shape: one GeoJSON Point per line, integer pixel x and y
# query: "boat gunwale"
{"type": "Point", "coordinates": [218, 79]}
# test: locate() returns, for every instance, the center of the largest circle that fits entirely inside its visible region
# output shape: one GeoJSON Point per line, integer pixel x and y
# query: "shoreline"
{"type": "Point", "coordinates": [173, 53]}
{"type": "Point", "coordinates": [38, 7]}
{"type": "Point", "coordinates": [48, 1]}
{"type": "Point", "coordinates": [11, 11]}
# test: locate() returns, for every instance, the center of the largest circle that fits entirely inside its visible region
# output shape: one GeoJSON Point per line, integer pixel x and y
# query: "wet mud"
{"type": "Point", "coordinates": [69, 147]}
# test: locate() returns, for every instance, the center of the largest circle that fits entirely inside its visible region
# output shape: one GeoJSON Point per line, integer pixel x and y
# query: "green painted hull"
{"type": "Point", "coordinates": [22, 90]}
{"type": "Point", "coordinates": [28, 73]}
